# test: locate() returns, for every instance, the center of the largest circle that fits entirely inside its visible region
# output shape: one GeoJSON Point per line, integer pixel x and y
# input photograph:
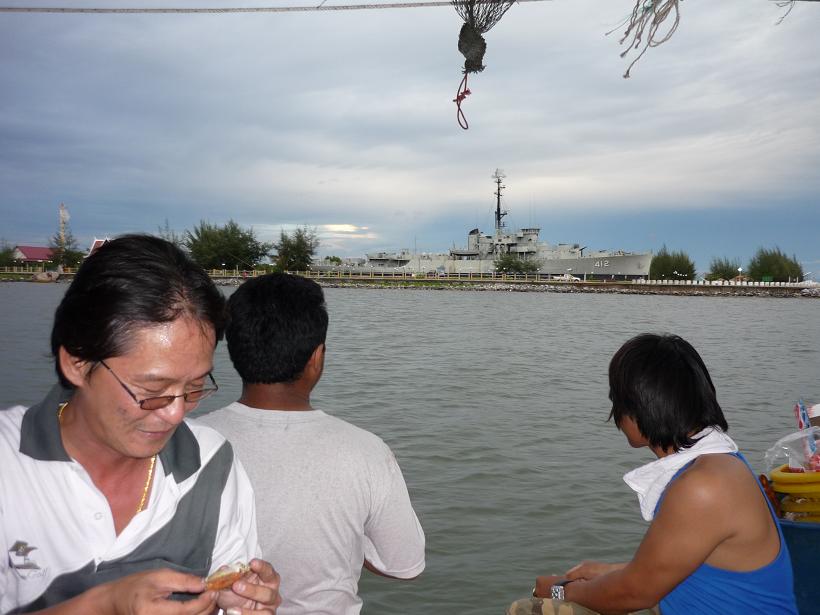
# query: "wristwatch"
{"type": "Point", "coordinates": [557, 590]}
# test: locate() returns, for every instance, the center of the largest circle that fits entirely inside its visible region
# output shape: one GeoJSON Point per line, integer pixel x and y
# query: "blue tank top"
{"type": "Point", "coordinates": [714, 591]}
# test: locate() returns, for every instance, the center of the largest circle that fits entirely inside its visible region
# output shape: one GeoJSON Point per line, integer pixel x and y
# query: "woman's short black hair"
{"type": "Point", "coordinates": [276, 322]}
{"type": "Point", "coordinates": [128, 283]}
{"type": "Point", "coordinates": [661, 382]}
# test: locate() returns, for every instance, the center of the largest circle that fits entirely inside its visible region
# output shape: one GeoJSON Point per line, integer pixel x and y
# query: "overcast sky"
{"type": "Point", "coordinates": [344, 121]}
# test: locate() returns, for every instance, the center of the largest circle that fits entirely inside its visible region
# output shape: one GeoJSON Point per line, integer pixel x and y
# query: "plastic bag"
{"type": "Point", "coordinates": [807, 415]}
{"type": "Point", "coordinates": [798, 449]}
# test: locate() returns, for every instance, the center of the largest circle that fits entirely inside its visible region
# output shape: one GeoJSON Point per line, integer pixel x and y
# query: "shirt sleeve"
{"type": "Point", "coordinates": [394, 539]}
{"type": "Point", "coordinates": [236, 538]}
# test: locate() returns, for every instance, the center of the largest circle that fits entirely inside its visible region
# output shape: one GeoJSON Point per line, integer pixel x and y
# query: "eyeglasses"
{"type": "Point", "coordinates": [155, 403]}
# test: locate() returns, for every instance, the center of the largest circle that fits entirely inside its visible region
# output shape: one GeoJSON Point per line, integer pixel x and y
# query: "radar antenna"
{"type": "Point", "coordinates": [499, 214]}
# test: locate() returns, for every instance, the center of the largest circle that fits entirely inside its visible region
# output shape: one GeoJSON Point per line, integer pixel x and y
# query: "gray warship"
{"type": "Point", "coordinates": [564, 261]}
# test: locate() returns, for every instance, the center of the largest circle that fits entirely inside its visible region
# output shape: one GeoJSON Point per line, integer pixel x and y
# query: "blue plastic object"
{"type": "Point", "coordinates": [803, 540]}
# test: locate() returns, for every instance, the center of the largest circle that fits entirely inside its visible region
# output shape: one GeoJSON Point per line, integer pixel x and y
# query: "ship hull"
{"type": "Point", "coordinates": [619, 266]}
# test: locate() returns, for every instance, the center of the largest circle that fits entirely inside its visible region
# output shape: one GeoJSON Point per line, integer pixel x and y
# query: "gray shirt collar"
{"type": "Point", "coordinates": [40, 438]}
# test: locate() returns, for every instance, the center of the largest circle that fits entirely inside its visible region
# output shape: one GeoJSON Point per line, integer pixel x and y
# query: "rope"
{"type": "Point", "coordinates": [785, 3]}
{"type": "Point", "coordinates": [258, 9]}
{"type": "Point", "coordinates": [462, 93]}
{"type": "Point", "coordinates": [651, 14]}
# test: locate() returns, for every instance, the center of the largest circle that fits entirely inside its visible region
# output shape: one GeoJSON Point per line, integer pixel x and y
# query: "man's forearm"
{"type": "Point", "coordinates": [610, 594]}
{"type": "Point", "coordinates": [90, 601]}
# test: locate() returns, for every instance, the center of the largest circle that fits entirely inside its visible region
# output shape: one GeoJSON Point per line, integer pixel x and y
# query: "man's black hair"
{"type": "Point", "coordinates": [661, 382]}
{"type": "Point", "coordinates": [128, 283]}
{"type": "Point", "coordinates": [276, 322]}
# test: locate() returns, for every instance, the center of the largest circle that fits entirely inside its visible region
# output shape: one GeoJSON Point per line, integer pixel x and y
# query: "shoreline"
{"type": "Point", "coordinates": [609, 288]}
{"type": "Point", "coordinates": [618, 288]}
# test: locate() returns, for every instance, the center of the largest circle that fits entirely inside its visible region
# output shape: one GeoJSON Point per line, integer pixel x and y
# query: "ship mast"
{"type": "Point", "coordinates": [498, 176]}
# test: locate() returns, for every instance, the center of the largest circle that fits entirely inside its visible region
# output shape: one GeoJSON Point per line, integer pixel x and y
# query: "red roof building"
{"type": "Point", "coordinates": [31, 254]}
{"type": "Point", "coordinates": [96, 244]}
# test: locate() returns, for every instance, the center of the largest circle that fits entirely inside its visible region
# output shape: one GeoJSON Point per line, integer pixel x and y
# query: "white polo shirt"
{"type": "Point", "coordinates": [56, 527]}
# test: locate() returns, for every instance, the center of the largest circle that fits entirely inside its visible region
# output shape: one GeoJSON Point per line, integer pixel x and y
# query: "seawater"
{"type": "Point", "coordinates": [495, 404]}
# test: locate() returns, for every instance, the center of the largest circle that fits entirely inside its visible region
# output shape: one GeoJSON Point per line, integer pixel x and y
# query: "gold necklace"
{"type": "Point", "coordinates": [150, 467]}
{"type": "Point", "coordinates": [147, 483]}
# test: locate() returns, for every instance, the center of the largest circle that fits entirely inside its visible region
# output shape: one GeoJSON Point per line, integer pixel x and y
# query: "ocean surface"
{"type": "Point", "coordinates": [495, 404]}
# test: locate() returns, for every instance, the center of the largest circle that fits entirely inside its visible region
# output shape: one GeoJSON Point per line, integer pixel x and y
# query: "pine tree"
{"type": "Point", "coordinates": [229, 246]}
{"type": "Point", "coordinates": [774, 266]}
{"type": "Point", "coordinates": [64, 248]}
{"type": "Point", "coordinates": [668, 265]}
{"type": "Point", "coordinates": [723, 269]}
{"type": "Point", "coordinates": [295, 252]}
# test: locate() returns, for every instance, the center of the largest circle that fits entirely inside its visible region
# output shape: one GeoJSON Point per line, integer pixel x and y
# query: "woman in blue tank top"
{"type": "Point", "coordinates": [714, 545]}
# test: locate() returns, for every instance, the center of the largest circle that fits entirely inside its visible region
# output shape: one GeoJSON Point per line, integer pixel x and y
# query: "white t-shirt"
{"type": "Point", "coordinates": [328, 495]}
{"type": "Point", "coordinates": [56, 529]}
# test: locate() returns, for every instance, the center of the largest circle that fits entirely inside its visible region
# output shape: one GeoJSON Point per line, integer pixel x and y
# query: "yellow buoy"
{"type": "Point", "coordinates": [811, 490]}
{"type": "Point", "coordinates": [798, 504]}
{"type": "Point", "coordinates": [780, 475]}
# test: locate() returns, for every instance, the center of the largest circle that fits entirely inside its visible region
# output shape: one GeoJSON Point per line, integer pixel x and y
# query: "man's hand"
{"type": "Point", "coordinates": [146, 593]}
{"type": "Point", "coordinates": [256, 593]}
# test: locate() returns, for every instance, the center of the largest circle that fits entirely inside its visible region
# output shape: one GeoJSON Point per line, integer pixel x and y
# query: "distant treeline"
{"type": "Point", "coordinates": [232, 247]}
{"type": "Point", "coordinates": [767, 265]}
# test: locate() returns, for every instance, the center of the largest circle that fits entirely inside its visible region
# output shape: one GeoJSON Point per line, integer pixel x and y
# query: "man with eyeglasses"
{"type": "Point", "coordinates": [111, 501]}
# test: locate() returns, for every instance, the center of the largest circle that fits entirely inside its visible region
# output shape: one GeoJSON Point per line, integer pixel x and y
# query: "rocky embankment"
{"type": "Point", "coordinates": [623, 289]}
{"type": "Point", "coordinates": [530, 287]}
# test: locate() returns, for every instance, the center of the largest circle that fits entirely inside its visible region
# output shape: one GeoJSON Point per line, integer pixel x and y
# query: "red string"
{"type": "Point", "coordinates": [463, 92]}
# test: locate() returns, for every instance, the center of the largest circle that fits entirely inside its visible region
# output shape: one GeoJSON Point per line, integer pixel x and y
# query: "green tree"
{"type": "Point", "coordinates": [332, 260]}
{"type": "Point", "coordinates": [723, 269]}
{"type": "Point", "coordinates": [6, 255]}
{"type": "Point", "coordinates": [229, 246]}
{"type": "Point", "coordinates": [295, 252]}
{"type": "Point", "coordinates": [773, 265]}
{"type": "Point", "coordinates": [64, 249]}
{"type": "Point", "coordinates": [668, 265]}
{"type": "Point", "coordinates": [510, 263]}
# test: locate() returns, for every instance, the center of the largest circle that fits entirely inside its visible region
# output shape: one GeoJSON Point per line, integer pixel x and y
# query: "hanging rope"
{"type": "Point", "coordinates": [783, 4]}
{"type": "Point", "coordinates": [462, 93]}
{"type": "Point", "coordinates": [479, 17]}
{"type": "Point", "coordinates": [643, 25]}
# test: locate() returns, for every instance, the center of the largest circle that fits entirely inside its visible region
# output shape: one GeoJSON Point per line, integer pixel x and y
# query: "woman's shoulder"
{"type": "Point", "coordinates": [714, 479]}
{"type": "Point", "coordinates": [720, 466]}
